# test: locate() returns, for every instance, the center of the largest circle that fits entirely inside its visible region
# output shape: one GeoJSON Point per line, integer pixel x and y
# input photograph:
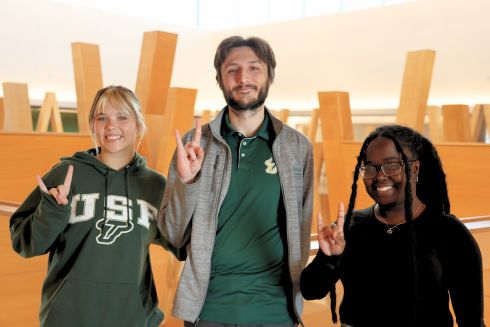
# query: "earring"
{"type": "Point", "coordinates": [417, 179]}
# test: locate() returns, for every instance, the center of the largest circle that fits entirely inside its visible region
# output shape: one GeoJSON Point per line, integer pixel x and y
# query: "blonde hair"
{"type": "Point", "coordinates": [121, 98]}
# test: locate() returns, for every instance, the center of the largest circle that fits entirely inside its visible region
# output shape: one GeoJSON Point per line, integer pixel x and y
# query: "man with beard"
{"type": "Point", "coordinates": [239, 200]}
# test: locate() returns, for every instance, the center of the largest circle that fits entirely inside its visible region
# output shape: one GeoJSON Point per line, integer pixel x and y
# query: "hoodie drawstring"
{"type": "Point", "coordinates": [105, 202]}
{"type": "Point", "coordinates": [126, 189]}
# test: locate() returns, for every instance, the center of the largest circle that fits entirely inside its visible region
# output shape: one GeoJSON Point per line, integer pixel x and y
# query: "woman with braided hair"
{"type": "Point", "coordinates": [402, 260]}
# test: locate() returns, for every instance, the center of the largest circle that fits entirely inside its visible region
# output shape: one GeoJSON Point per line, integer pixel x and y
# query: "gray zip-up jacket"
{"type": "Point", "coordinates": [189, 212]}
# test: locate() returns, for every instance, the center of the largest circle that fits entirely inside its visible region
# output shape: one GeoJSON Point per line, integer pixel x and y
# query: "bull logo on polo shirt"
{"type": "Point", "coordinates": [270, 166]}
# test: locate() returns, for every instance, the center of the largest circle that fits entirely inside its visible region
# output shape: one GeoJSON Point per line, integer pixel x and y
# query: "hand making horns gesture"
{"type": "Point", "coordinates": [331, 238]}
{"type": "Point", "coordinates": [190, 156]}
{"type": "Point", "coordinates": [59, 193]}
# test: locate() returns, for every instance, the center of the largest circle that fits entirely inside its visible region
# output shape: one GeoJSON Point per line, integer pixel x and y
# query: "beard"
{"type": "Point", "coordinates": [242, 106]}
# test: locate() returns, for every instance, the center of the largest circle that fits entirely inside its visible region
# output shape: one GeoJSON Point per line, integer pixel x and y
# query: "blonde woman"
{"type": "Point", "coordinates": [94, 213]}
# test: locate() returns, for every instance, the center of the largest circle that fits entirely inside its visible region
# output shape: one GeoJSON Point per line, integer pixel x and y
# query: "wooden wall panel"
{"type": "Point", "coordinates": [30, 154]}
{"type": "Point", "coordinates": [20, 283]}
{"type": "Point", "coordinates": [17, 108]}
{"type": "Point", "coordinates": [415, 88]}
{"type": "Point", "coordinates": [88, 79]}
{"type": "Point", "coordinates": [2, 114]}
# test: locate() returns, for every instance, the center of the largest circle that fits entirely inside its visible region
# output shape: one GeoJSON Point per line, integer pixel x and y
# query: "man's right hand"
{"type": "Point", "coordinates": [190, 156]}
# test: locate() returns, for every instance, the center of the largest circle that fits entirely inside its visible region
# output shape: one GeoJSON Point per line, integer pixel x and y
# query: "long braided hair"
{"type": "Point", "coordinates": [431, 187]}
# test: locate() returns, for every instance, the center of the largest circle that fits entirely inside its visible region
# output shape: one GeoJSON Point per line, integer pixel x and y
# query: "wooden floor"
{"type": "Point", "coordinates": [21, 280]}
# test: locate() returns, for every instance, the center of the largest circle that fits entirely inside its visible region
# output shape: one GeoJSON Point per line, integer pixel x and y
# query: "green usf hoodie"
{"type": "Point", "coordinates": [99, 271]}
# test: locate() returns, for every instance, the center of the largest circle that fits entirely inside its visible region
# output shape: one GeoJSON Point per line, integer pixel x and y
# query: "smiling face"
{"type": "Point", "coordinates": [245, 83]}
{"type": "Point", "coordinates": [116, 132]}
{"type": "Point", "coordinates": [388, 190]}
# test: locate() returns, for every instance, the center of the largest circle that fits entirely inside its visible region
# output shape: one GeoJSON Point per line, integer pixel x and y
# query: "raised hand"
{"type": "Point", "coordinates": [331, 238]}
{"type": "Point", "coordinates": [59, 193]}
{"type": "Point", "coordinates": [190, 156]}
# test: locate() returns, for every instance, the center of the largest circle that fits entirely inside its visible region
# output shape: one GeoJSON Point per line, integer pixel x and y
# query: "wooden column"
{"type": "Point", "coordinates": [336, 124]}
{"type": "Point", "coordinates": [17, 108]}
{"type": "Point", "coordinates": [456, 120]}
{"type": "Point", "coordinates": [155, 70]}
{"type": "Point", "coordinates": [49, 112]}
{"type": "Point", "coordinates": [415, 89]}
{"type": "Point", "coordinates": [88, 79]}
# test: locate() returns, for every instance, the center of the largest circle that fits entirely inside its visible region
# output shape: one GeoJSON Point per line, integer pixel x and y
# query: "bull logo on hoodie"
{"type": "Point", "coordinates": [117, 220]}
{"type": "Point", "coordinates": [118, 216]}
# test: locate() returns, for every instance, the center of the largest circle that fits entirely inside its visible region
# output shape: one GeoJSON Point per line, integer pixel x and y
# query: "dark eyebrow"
{"type": "Point", "coordinates": [386, 160]}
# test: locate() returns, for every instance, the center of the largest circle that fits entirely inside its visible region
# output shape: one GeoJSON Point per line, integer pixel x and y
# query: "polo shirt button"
{"type": "Point", "coordinates": [244, 143]}
{"type": "Point", "coordinates": [243, 155]}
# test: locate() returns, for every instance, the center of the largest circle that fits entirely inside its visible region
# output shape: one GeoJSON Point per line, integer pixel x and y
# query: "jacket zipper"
{"type": "Point", "coordinates": [274, 146]}
{"type": "Point", "coordinates": [215, 222]}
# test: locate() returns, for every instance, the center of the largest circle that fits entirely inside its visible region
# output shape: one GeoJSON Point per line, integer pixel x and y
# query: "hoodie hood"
{"type": "Point", "coordinates": [88, 157]}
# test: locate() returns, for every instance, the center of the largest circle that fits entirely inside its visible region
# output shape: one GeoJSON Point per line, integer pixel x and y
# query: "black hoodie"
{"type": "Point", "coordinates": [99, 271]}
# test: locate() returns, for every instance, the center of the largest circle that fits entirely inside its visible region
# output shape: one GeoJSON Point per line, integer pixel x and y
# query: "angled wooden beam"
{"type": "Point", "coordinates": [283, 115]}
{"type": "Point", "coordinates": [313, 127]}
{"type": "Point", "coordinates": [49, 112]}
{"type": "Point", "coordinates": [486, 114]}
{"type": "Point", "coordinates": [17, 108]}
{"type": "Point", "coordinates": [206, 116]}
{"type": "Point", "coordinates": [336, 124]}
{"type": "Point", "coordinates": [179, 115]}
{"type": "Point", "coordinates": [155, 71]}
{"type": "Point", "coordinates": [456, 120]}
{"type": "Point", "coordinates": [415, 89]}
{"type": "Point", "coordinates": [477, 124]}
{"type": "Point", "coordinates": [318, 164]}
{"type": "Point", "coordinates": [436, 126]}
{"type": "Point", "coordinates": [88, 79]}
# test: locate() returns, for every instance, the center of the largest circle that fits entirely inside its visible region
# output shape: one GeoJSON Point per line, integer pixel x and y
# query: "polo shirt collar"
{"type": "Point", "coordinates": [264, 131]}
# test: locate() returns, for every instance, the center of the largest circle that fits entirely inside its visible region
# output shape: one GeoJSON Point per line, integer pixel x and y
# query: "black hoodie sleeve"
{"type": "Point", "coordinates": [320, 276]}
{"type": "Point", "coordinates": [36, 224]}
{"type": "Point", "coordinates": [465, 276]}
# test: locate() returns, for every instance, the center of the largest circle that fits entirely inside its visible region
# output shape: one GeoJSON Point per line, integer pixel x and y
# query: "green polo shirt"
{"type": "Point", "coordinates": [250, 281]}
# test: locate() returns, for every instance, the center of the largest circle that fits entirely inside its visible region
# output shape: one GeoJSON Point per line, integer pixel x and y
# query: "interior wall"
{"type": "Point", "coordinates": [362, 52]}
